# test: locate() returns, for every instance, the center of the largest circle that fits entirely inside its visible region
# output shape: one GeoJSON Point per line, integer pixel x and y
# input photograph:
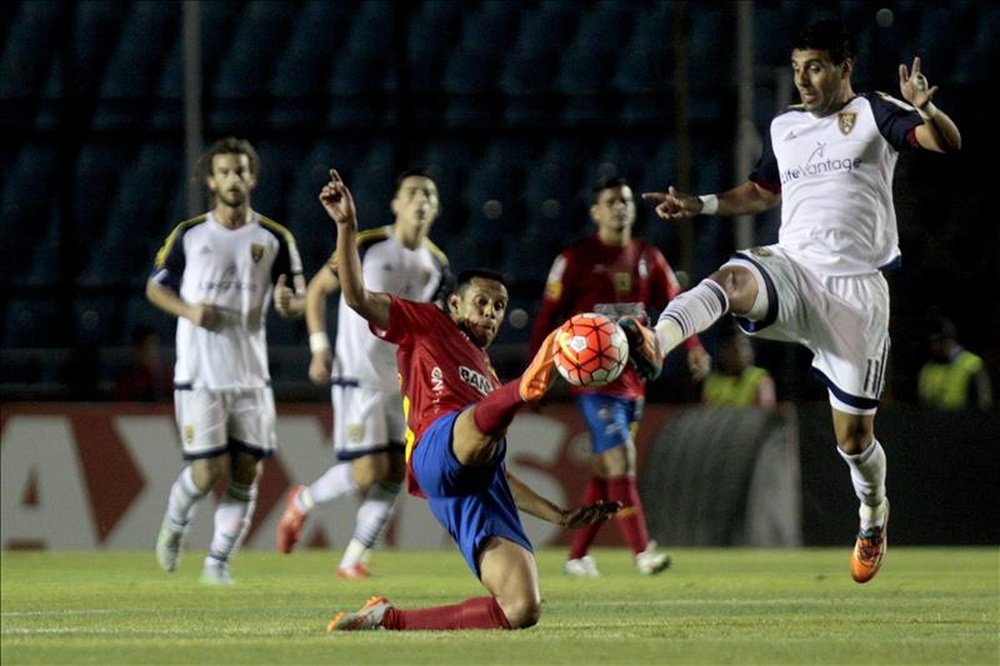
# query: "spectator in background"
{"type": "Point", "coordinates": [953, 378]}
{"type": "Point", "coordinates": [619, 276]}
{"type": "Point", "coordinates": [147, 378]}
{"type": "Point", "coordinates": [368, 421]}
{"type": "Point", "coordinates": [217, 273]}
{"type": "Point", "coordinates": [737, 382]}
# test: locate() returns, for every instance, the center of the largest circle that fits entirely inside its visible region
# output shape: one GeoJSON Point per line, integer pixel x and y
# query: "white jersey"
{"type": "Point", "coordinates": [834, 175]}
{"type": "Point", "coordinates": [234, 270]}
{"type": "Point", "coordinates": [362, 358]}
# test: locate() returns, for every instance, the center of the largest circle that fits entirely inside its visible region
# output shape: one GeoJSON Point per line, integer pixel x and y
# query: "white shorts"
{"type": "Point", "coordinates": [214, 422]}
{"type": "Point", "coordinates": [842, 320]}
{"type": "Point", "coordinates": [366, 421]}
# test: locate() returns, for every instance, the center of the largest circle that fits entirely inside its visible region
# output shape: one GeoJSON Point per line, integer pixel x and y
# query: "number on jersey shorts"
{"type": "Point", "coordinates": [208, 419]}
{"type": "Point", "coordinates": [842, 320]}
{"type": "Point", "coordinates": [366, 420]}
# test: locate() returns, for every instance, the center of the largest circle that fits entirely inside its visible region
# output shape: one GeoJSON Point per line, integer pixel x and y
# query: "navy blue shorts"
{"type": "Point", "coordinates": [472, 503]}
{"type": "Point", "coordinates": [609, 419]}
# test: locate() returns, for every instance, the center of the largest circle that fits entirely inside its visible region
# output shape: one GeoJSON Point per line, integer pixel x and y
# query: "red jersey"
{"type": "Point", "coordinates": [590, 276]}
{"type": "Point", "coordinates": [441, 370]}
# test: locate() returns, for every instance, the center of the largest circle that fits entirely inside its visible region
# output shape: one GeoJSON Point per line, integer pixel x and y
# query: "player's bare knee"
{"type": "Point", "coordinates": [522, 612]}
{"type": "Point", "coordinates": [206, 472]}
{"type": "Point", "coordinates": [739, 284]}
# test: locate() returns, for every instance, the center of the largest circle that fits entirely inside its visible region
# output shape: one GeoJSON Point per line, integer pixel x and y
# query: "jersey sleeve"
{"type": "Point", "coordinates": [168, 267]}
{"type": "Point", "coordinates": [896, 120]}
{"type": "Point", "coordinates": [552, 301]}
{"type": "Point", "coordinates": [405, 317]}
{"type": "Point", "coordinates": [765, 171]}
{"type": "Point", "coordinates": [288, 262]}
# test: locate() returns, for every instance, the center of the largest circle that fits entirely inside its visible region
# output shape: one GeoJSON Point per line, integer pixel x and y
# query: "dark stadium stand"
{"type": "Point", "coordinates": [517, 107]}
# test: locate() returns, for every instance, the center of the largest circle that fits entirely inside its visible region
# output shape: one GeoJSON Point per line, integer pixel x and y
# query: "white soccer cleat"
{"type": "Point", "coordinates": [581, 567]}
{"type": "Point", "coordinates": [168, 546]}
{"type": "Point", "coordinates": [216, 572]}
{"type": "Point", "coordinates": [651, 561]}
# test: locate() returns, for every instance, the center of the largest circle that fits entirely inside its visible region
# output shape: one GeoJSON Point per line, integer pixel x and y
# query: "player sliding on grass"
{"type": "Point", "coordinates": [829, 161]}
{"type": "Point", "coordinates": [457, 418]}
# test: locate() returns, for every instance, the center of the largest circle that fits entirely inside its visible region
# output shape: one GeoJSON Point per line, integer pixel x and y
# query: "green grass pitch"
{"type": "Point", "coordinates": [714, 606]}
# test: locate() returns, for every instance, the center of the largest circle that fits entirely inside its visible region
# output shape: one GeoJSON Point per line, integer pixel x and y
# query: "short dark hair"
{"type": "Point", "coordinates": [827, 35]}
{"type": "Point", "coordinates": [465, 278]}
{"type": "Point", "coordinates": [228, 146]}
{"type": "Point", "coordinates": [607, 183]}
{"type": "Point", "coordinates": [420, 172]}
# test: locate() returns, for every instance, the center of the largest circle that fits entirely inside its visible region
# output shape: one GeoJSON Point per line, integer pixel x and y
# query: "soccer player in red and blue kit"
{"type": "Point", "coordinates": [457, 417]}
{"type": "Point", "coordinates": [619, 276]}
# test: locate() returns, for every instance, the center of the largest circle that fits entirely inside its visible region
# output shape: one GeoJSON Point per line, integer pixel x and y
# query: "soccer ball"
{"type": "Point", "coordinates": [591, 350]}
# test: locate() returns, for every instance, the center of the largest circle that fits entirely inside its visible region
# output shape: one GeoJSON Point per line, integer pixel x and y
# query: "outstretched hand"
{"type": "Point", "coordinates": [913, 85]}
{"type": "Point", "coordinates": [589, 514]}
{"type": "Point", "coordinates": [337, 201]}
{"type": "Point", "coordinates": [674, 204]}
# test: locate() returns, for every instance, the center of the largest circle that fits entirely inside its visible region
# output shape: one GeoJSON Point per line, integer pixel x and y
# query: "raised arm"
{"type": "Point", "coordinates": [745, 199]}
{"type": "Point", "coordinates": [339, 205]}
{"type": "Point", "coordinates": [939, 132]}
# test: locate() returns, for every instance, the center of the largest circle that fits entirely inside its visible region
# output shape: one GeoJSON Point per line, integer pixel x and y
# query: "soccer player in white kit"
{"type": "Point", "coordinates": [217, 274]}
{"type": "Point", "coordinates": [368, 419]}
{"type": "Point", "coordinates": [829, 161]}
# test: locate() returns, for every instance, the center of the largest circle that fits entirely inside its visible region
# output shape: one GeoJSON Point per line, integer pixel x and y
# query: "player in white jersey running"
{"type": "Point", "coordinates": [217, 273]}
{"type": "Point", "coordinates": [829, 161]}
{"type": "Point", "coordinates": [368, 419]}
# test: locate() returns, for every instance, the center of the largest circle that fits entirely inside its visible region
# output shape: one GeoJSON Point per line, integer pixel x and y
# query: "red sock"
{"type": "Point", "coordinates": [475, 613]}
{"type": "Point", "coordinates": [495, 412]}
{"type": "Point", "coordinates": [596, 490]}
{"type": "Point", "coordinates": [631, 519]}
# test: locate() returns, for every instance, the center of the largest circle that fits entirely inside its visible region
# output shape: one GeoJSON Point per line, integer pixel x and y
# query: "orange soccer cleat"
{"type": "Point", "coordinates": [367, 618]}
{"type": "Point", "coordinates": [866, 559]}
{"type": "Point", "coordinates": [355, 571]}
{"type": "Point", "coordinates": [538, 376]}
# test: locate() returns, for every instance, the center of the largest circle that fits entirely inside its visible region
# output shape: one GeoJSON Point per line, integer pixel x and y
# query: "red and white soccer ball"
{"type": "Point", "coordinates": [591, 350]}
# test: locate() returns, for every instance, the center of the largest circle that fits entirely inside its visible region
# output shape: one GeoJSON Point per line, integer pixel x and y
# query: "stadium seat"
{"type": "Point", "coordinates": [302, 69]}
{"type": "Point", "coordinates": [470, 85]}
{"type": "Point", "coordinates": [25, 60]}
{"type": "Point", "coordinates": [34, 170]}
{"type": "Point", "coordinates": [148, 33]}
{"type": "Point", "coordinates": [32, 322]}
{"type": "Point", "coordinates": [238, 93]}
{"type": "Point", "coordinates": [97, 29]}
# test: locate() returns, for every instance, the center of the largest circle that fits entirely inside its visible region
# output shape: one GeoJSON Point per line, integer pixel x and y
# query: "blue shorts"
{"type": "Point", "coordinates": [609, 419]}
{"type": "Point", "coordinates": [472, 503]}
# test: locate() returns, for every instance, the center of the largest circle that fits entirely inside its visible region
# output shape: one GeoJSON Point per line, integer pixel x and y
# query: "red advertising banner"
{"type": "Point", "coordinates": [96, 476]}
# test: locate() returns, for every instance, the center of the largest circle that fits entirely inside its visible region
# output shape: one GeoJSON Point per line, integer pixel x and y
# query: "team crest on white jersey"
{"type": "Point", "coordinates": [256, 252]}
{"type": "Point", "coordinates": [760, 251]}
{"type": "Point", "coordinates": [845, 121]}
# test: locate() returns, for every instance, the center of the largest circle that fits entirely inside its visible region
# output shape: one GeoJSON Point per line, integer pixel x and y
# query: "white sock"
{"type": "Point", "coordinates": [353, 554]}
{"type": "Point", "coordinates": [335, 482]}
{"type": "Point", "coordinates": [184, 495]}
{"type": "Point", "coordinates": [868, 476]}
{"type": "Point", "coordinates": [232, 520]}
{"type": "Point", "coordinates": [691, 312]}
{"type": "Point", "coordinates": [372, 518]}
